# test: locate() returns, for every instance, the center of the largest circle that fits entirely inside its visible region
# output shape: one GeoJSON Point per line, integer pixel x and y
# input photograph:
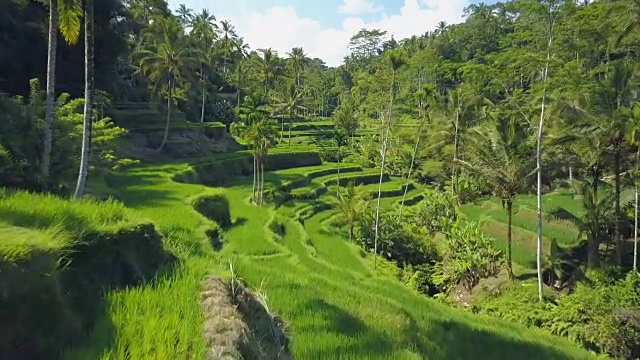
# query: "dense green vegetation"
{"type": "Point", "coordinates": [467, 193]}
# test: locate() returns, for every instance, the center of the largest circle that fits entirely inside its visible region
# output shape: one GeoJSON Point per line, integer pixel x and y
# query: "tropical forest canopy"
{"type": "Point", "coordinates": [503, 147]}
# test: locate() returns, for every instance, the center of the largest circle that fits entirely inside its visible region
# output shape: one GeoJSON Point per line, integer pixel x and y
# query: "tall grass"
{"type": "Point", "coordinates": [159, 321]}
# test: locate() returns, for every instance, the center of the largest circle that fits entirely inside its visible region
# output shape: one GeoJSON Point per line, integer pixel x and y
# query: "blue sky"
{"type": "Point", "coordinates": [323, 27]}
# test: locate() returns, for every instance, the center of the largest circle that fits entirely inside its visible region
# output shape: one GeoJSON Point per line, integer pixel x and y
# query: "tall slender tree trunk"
{"type": "Point", "coordinates": [509, 250]}
{"type": "Point", "coordinates": [593, 252]}
{"type": "Point", "coordinates": [545, 76]}
{"type": "Point", "coordinates": [281, 126]}
{"type": "Point", "coordinates": [570, 175]}
{"type": "Point", "coordinates": [351, 227]}
{"type": "Point", "coordinates": [618, 234]}
{"type": "Point", "coordinates": [88, 98]}
{"type": "Point", "coordinates": [51, 90]}
{"type": "Point", "coordinates": [338, 190]}
{"type": "Point", "coordinates": [385, 135]}
{"type": "Point", "coordinates": [204, 94]}
{"type": "Point", "coordinates": [635, 231]}
{"type": "Point", "coordinates": [454, 175]}
{"type": "Point", "coordinates": [166, 126]}
{"type": "Point", "coordinates": [261, 181]}
{"type": "Point", "coordinates": [255, 170]}
{"type": "Point", "coordinates": [413, 158]}
{"type": "Point", "coordinates": [635, 228]}
{"type": "Point", "coordinates": [291, 119]}
{"type": "Point", "coordinates": [539, 196]}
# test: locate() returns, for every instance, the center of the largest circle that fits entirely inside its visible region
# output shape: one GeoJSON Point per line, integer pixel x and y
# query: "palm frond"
{"type": "Point", "coordinates": [69, 16]}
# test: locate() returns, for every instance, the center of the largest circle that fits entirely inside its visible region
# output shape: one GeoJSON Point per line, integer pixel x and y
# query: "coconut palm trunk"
{"type": "Point", "coordinates": [166, 126]}
{"type": "Point", "coordinates": [261, 181]}
{"type": "Point", "coordinates": [51, 89]}
{"type": "Point", "coordinates": [509, 247]}
{"type": "Point", "coordinates": [618, 234]}
{"type": "Point", "coordinates": [406, 186]}
{"type": "Point", "coordinates": [454, 175]}
{"type": "Point", "coordinates": [88, 98]}
{"type": "Point", "coordinates": [291, 119]}
{"type": "Point", "coordinates": [255, 170]}
{"type": "Point", "coordinates": [539, 197]}
{"type": "Point", "coordinates": [338, 189]}
{"type": "Point", "coordinates": [281, 126]}
{"type": "Point", "coordinates": [204, 95]}
{"type": "Point", "coordinates": [635, 232]}
{"type": "Point", "coordinates": [385, 135]}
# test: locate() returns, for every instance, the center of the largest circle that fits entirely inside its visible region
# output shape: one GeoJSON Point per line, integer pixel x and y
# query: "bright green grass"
{"type": "Point", "coordinates": [48, 223]}
{"type": "Point", "coordinates": [336, 305]}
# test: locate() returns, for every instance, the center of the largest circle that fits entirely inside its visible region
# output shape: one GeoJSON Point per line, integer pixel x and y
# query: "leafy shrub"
{"type": "Point", "coordinates": [602, 316]}
{"type": "Point", "coordinates": [470, 188]}
{"type": "Point", "coordinates": [223, 111]}
{"type": "Point", "coordinates": [469, 256]}
{"type": "Point", "coordinates": [214, 207]}
{"type": "Point", "coordinates": [21, 138]}
{"type": "Point", "coordinates": [396, 241]}
{"type": "Point", "coordinates": [238, 129]}
{"type": "Point", "coordinates": [418, 278]}
{"type": "Point", "coordinates": [435, 214]}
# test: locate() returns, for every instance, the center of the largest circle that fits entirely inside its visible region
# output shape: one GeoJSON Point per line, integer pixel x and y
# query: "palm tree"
{"type": "Point", "coordinates": [203, 28]}
{"type": "Point", "coordinates": [289, 103]}
{"type": "Point", "coordinates": [602, 121]}
{"type": "Point", "coordinates": [253, 109]}
{"type": "Point", "coordinates": [298, 62]}
{"type": "Point", "coordinates": [345, 118]}
{"type": "Point", "coordinates": [350, 205]}
{"type": "Point", "coordinates": [424, 98]}
{"type": "Point", "coordinates": [629, 11]}
{"type": "Point", "coordinates": [252, 137]}
{"type": "Point", "coordinates": [64, 15]}
{"type": "Point", "coordinates": [88, 98]}
{"type": "Point", "coordinates": [597, 217]}
{"type": "Point", "coordinates": [396, 60]}
{"type": "Point", "coordinates": [227, 43]}
{"type": "Point", "coordinates": [340, 138]}
{"type": "Point", "coordinates": [460, 104]}
{"type": "Point", "coordinates": [239, 78]}
{"type": "Point", "coordinates": [185, 15]}
{"type": "Point", "coordinates": [501, 154]}
{"type": "Point", "coordinates": [263, 137]}
{"type": "Point", "coordinates": [164, 60]}
{"type": "Point", "coordinates": [268, 67]}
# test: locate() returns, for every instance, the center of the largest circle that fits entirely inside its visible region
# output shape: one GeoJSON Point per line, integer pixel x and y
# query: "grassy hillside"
{"type": "Point", "coordinates": [493, 220]}
{"type": "Point", "coordinates": [324, 287]}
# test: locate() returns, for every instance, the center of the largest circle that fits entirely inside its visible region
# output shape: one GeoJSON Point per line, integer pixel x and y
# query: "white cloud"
{"type": "Point", "coordinates": [281, 28]}
{"type": "Point", "coordinates": [355, 7]}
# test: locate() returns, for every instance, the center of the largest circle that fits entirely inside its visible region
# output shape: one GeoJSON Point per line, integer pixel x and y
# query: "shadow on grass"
{"type": "Point", "coordinates": [67, 218]}
{"type": "Point", "coordinates": [137, 190]}
{"type": "Point", "coordinates": [54, 303]}
{"type": "Point", "coordinates": [455, 340]}
{"type": "Point", "coordinates": [239, 221]}
{"type": "Point", "coordinates": [444, 340]}
{"type": "Point", "coordinates": [361, 340]}
{"type": "Point", "coordinates": [100, 334]}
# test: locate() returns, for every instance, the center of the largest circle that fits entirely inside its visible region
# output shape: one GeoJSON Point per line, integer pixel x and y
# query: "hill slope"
{"type": "Point", "coordinates": [336, 306]}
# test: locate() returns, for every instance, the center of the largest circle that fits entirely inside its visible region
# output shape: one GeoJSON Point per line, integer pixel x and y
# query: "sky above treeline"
{"type": "Point", "coordinates": [323, 27]}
